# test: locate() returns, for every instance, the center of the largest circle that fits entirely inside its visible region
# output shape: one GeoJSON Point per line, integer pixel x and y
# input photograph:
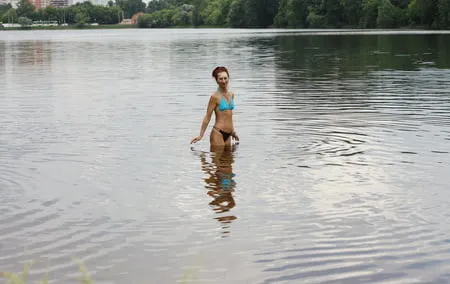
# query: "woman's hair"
{"type": "Point", "coordinates": [218, 70]}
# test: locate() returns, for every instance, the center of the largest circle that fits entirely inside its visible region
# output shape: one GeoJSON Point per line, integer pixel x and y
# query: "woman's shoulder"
{"type": "Point", "coordinates": [215, 96]}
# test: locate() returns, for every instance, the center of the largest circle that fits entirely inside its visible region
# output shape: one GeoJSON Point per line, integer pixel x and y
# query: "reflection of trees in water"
{"type": "Point", "coordinates": [343, 55]}
{"type": "Point", "coordinates": [220, 184]}
{"type": "Point", "coordinates": [346, 56]}
{"type": "Point", "coordinates": [342, 68]}
{"type": "Point", "coordinates": [32, 52]}
{"type": "Point", "coordinates": [327, 83]}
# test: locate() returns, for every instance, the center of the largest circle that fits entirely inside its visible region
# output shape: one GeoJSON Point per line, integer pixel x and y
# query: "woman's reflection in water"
{"type": "Point", "coordinates": [220, 183]}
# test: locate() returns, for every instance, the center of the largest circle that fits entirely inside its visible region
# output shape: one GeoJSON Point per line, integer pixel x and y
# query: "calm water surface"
{"type": "Point", "coordinates": [341, 176]}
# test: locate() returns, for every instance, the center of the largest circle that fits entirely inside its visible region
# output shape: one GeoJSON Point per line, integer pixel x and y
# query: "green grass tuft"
{"type": "Point", "coordinates": [22, 278]}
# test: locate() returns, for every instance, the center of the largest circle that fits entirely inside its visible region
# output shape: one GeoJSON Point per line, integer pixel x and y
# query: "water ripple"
{"type": "Point", "coordinates": [341, 175]}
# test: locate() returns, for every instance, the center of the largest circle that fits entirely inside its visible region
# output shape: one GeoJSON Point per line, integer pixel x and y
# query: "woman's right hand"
{"type": "Point", "coordinates": [196, 139]}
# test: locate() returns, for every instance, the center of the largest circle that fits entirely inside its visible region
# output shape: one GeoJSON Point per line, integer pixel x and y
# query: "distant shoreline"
{"type": "Point", "coordinates": [99, 27]}
{"type": "Point", "coordinates": [71, 27]}
{"type": "Point", "coordinates": [419, 29]}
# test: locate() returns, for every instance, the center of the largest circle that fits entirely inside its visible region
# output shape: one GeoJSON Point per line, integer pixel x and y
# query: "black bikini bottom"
{"type": "Point", "coordinates": [225, 135]}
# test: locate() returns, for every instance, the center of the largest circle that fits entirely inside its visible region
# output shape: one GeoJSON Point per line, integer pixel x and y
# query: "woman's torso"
{"type": "Point", "coordinates": [224, 112]}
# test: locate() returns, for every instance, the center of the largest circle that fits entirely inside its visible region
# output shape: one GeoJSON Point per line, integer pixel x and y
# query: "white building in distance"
{"type": "Point", "coordinates": [95, 2]}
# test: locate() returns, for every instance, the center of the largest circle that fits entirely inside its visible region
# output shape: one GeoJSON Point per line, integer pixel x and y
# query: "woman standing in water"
{"type": "Point", "coordinates": [221, 103]}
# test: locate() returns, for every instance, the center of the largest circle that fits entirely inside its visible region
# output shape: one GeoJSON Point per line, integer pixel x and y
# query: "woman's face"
{"type": "Point", "coordinates": [222, 80]}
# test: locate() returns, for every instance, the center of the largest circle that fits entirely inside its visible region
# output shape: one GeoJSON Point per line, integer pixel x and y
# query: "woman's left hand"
{"type": "Point", "coordinates": [196, 139]}
{"type": "Point", "coordinates": [235, 136]}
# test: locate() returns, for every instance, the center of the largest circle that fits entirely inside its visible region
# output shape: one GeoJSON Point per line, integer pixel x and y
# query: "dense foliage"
{"type": "Point", "coordinates": [250, 13]}
{"type": "Point", "coordinates": [300, 13]}
{"type": "Point", "coordinates": [76, 14]}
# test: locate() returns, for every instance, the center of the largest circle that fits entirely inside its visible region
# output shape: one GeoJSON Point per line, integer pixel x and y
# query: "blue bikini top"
{"type": "Point", "coordinates": [223, 105]}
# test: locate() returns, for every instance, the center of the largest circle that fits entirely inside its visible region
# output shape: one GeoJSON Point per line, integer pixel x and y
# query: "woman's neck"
{"type": "Point", "coordinates": [223, 91]}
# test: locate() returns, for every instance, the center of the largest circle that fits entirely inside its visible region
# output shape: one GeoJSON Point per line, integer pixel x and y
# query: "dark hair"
{"type": "Point", "coordinates": [218, 70]}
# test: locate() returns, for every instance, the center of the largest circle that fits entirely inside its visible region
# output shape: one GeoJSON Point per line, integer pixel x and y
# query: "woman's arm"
{"type": "Point", "coordinates": [211, 106]}
{"type": "Point", "coordinates": [207, 118]}
{"type": "Point", "coordinates": [233, 133]}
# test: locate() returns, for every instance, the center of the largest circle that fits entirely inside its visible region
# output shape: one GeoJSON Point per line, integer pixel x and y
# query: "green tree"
{"type": "Point", "coordinates": [71, 13]}
{"type": "Point", "coordinates": [131, 7]}
{"type": "Point", "coordinates": [24, 8]}
{"type": "Point", "coordinates": [402, 4]}
{"type": "Point", "coordinates": [156, 5]}
{"type": "Point", "coordinates": [144, 20]}
{"type": "Point", "coordinates": [314, 5]}
{"type": "Point", "coordinates": [291, 13]}
{"type": "Point", "coordinates": [216, 12]}
{"type": "Point", "coordinates": [259, 13]}
{"type": "Point", "coordinates": [4, 8]}
{"type": "Point", "coordinates": [159, 19]}
{"type": "Point", "coordinates": [10, 16]}
{"type": "Point", "coordinates": [81, 19]}
{"type": "Point", "coordinates": [369, 13]}
{"type": "Point", "coordinates": [280, 20]}
{"type": "Point", "coordinates": [24, 22]}
{"type": "Point", "coordinates": [443, 7]}
{"type": "Point", "coordinates": [332, 11]}
{"type": "Point", "coordinates": [183, 15]}
{"type": "Point", "coordinates": [236, 15]}
{"type": "Point", "coordinates": [50, 13]}
{"type": "Point", "coordinates": [386, 17]}
{"type": "Point", "coordinates": [268, 12]}
{"type": "Point", "coordinates": [423, 12]}
{"type": "Point", "coordinates": [315, 21]}
{"type": "Point", "coordinates": [197, 18]}
{"type": "Point", "coordinates": [297, 13]}
{"type": "Point", "coordinates": [352, 11]}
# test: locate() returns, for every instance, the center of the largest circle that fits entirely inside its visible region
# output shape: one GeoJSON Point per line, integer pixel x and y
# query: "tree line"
{"type": "Point", "coordinates": [79, 13]}
{"type": "Point", "coordinates": [250, 13]}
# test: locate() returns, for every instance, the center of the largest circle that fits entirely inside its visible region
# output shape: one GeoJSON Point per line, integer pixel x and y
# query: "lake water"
{"type": "Point", "coordinates": [341, 176]}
